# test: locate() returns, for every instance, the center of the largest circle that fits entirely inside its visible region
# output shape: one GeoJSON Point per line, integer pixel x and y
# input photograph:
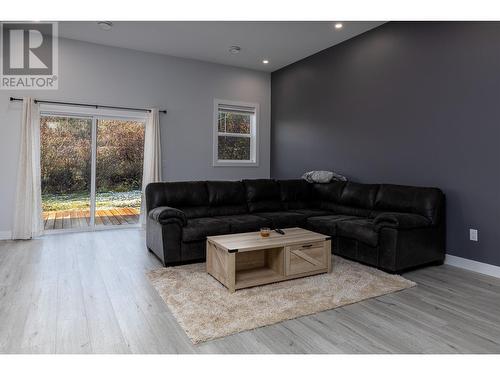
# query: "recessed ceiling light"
{"type": "Point", "coordinates": [265, 61]}
{"type": "Point", "coordinates": [105, 25]}
{"type": "Point", "coordinates": [234, 50]}
{"type": "Point", "coordinates": [338, 25]}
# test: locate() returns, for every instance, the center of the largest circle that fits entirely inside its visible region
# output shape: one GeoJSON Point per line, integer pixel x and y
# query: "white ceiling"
{"type": "Point", "coordinates": [282, 43]}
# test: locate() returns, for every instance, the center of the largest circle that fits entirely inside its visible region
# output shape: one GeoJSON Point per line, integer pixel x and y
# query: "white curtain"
{"type": "Point", "coordinates": [151, 171]}
{"type": "Point", "coordinates": [28, 209]}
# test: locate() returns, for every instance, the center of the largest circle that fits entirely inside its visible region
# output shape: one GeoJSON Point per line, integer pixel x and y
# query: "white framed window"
{"type": "Point", "coordinates": [235, 140]}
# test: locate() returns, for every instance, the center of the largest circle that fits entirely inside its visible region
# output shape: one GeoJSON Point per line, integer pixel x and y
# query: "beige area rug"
{"type": "Point", "coordinates": [206, 310]}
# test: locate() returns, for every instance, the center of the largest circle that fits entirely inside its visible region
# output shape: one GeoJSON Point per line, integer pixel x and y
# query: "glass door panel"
{"type": "Point", "coordinates": [66, 164]}
{"type": "Point", "coordinates": [118, 179]}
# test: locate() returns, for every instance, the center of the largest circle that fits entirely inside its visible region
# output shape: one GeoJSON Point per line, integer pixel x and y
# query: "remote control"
{"type": "Point", "coordinates": [277, 230]}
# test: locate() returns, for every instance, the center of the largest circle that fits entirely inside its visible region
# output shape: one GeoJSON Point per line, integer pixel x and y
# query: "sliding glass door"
{"type": "Point", "coordinates": [120, 150]}
{"type": "Point", "coordinates": [66, 167]}
{"type": "Point", "coordinates": [91, 171]}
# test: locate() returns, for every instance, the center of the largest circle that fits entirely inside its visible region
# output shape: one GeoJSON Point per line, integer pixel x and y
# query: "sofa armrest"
{"type": "Point", "coordinates": [166, 215]}
{"type": "Point", "coordinates": [400, 220]}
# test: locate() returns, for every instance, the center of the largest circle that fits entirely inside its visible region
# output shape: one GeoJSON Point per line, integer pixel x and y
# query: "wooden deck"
{"type": "Point", "coordinates": [72, 219]}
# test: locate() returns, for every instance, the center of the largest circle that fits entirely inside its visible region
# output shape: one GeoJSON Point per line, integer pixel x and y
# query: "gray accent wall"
{"type": "Point", "coordinates": [92, 73]}
{"type": "Point", "coordinates": [414, 103]}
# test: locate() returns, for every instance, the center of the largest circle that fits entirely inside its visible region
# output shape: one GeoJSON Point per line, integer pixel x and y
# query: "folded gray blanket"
{"type": "Point", "coordinates": [322, 177]}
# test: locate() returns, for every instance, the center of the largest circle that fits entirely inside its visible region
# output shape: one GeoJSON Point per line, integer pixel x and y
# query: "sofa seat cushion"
{"type": "Point", "coordinates": [199, 228]}
{"type": "Point", "coordinates": [327, 224]}
{"type": "Point", "coordinates": [400, 220]}
{"type": "Point", "coordinates": [363, 230]}
{"type": "Point", "coordinates": [310, 212]}
{"type": "Point", "coordinates": [245, 223]}
{"type": "Point", "coordinates": [344, 210]}
{"type": "Point", "coordinates": [283, 219]}
{"type": "Point", "coordinates": [196, 212]}
{"type": "Point", "coordinates": [240, 209]}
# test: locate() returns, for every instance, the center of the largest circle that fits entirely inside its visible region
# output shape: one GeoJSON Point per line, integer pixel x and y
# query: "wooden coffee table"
{"type": "Point", "coordinates": [246, 259]}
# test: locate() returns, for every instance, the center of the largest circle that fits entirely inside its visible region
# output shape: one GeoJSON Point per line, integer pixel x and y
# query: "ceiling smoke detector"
{"type": "Point", "coordinates": [234, 50]}
{"type": "Point", "coordinates": [105, 25]}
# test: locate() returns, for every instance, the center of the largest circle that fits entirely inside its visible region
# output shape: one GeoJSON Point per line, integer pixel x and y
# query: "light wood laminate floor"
{"type": "Point", "coordinates": [88, 293]}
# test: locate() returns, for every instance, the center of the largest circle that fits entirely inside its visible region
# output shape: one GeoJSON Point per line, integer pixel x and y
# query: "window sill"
{"type": "Point", "coordinates": [235, 164]}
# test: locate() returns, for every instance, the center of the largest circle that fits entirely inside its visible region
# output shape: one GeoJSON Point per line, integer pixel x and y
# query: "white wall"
{"type": "Point", "coordinates": [186, 88]}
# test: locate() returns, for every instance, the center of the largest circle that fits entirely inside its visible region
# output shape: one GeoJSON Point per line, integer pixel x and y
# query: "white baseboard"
{"type": "Point", "coordinates": [5, 235]}
{"type": "Point", "coordinates": [472, 265]}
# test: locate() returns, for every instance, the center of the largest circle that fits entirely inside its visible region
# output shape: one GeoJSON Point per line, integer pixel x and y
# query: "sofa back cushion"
{"type": "Point", "coordinates": [226, 198]}
{"type": "Point", "coordinates": [359, 195]}
{"type": "Point", "coordinates": [263, 195]}
{"type": "Point", "coordinates": [190, 197]}
{"type": "Point", "coordinates": [328, 197]}
{"type": "Point", "coordinates": [330, 192]}
{"type": "Point", "coordinates": [425, 201]}
{"type": "Point", "coordinates": [155, 196]}
{"type": "Point", "coordinates": [346, 198]}
{"type": "Point", "coordinates": [295, 194]}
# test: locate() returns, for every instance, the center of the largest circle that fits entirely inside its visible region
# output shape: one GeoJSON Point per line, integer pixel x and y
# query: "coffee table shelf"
{"type": "Point", "coordinates": [256, 276]}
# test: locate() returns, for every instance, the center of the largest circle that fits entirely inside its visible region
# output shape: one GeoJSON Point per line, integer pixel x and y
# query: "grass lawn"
{"type": "Point", "coordinates": [104, 200]}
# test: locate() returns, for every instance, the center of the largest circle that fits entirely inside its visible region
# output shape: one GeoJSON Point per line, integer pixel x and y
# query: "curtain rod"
{"type": "Point", "coordinates": [12, 99]}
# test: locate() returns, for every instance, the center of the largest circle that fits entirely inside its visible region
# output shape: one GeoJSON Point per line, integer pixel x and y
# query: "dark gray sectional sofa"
{"type": "Point", "coordinates": [391, 227]}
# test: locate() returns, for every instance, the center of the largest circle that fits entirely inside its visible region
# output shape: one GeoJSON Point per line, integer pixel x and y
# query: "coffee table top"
{"type": "Point", "coordinates": [241, 242]}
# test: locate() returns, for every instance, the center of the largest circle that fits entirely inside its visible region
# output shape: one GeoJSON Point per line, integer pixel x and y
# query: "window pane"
{"type": "Point", "coordinates": [234, 148]}
{"type": "Point", "coordinates": [120, 151]}
{"type": "Point", "coordinates": [230, 122]}
{"type": "Point", "coordinates": [65, 161]}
